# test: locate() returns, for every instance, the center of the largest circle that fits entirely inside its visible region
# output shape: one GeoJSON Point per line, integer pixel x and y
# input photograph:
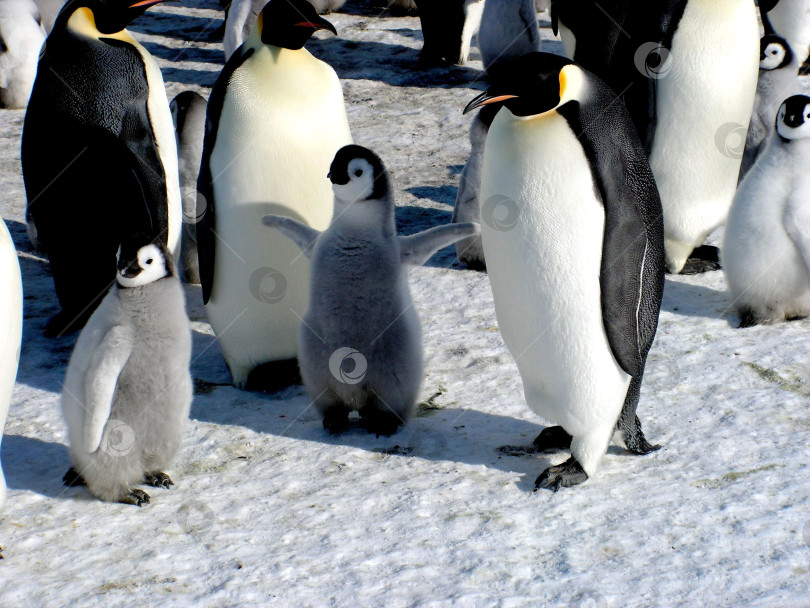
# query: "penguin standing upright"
{"type": "Point", "coordinates": [508, 30]}
{"type": "Point", "coordinates": [275, 120]}
{"type": "Point", "coordinates": [577, 275]}
{"type": "Point", "coordinates": [687, 72]}
{"type": "Point", "coordinates": [360, 309]}
{"type": "Point", "coordinates": [21, 38]}
{"type": "Point", "coordinates": [447, 29]}
{"type": "Point", "coordinates": [188, 114]}
{"type": "Point", "coordinates": [11, 319]}
{"type": "Point", "coordinates": [789, 19]}
{"type": "Point", "coordinates": [766, 243]}
{"type": "Point", "coordinates": [99, 157]}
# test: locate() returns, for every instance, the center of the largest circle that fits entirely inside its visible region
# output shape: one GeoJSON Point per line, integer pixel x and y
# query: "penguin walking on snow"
{"type": "Point", "coordinates": [21, 38]}
{"type": "Point", "coordinates": [577, 273]}
{"type": "Point", "coordinates": [275, 120]}
{"type": "Point", "coordinates": [766, 244]}
{"type": "Point", "coordinates": [188, 114]}
{"type": "Point", "coordinates": [11, 321]}
{"type": "Point", "coordinates": [99, 157]}
{"type": "Point", "coordinates": [127, 388]}
{"type": "Point", "coordinates": [360, 346]}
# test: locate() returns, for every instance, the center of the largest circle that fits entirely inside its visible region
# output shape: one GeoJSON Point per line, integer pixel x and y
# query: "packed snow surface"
{"type": "Point", "coordinates": [270, 510]}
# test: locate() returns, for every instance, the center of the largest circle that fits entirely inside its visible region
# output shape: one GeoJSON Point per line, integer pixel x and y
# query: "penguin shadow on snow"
{"type": "Point", "coordinates": [691, 300]}
{"type": "Point", "coordinates": [37, 466]}
{"type": "Point", "coordinates": [189, 53]}
{"type": "Point", "coordinates": [181, 27]}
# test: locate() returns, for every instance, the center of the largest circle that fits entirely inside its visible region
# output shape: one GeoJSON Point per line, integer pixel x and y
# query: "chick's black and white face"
{"type": "Point", "coordinates": [772, 56]}
{"type": "Point", "coordinates": [147, 266]}
{"type": "Point", "coordinates": [360, 186]}
{"type": "Point", "coordinates": [793, 119]}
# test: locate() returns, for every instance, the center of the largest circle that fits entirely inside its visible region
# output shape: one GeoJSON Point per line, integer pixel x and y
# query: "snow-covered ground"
{"type": "Point", "coordinates": [269, 510]}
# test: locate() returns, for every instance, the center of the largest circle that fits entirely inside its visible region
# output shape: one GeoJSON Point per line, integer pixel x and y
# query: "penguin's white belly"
{"type": "Point", "coordinates": [280, 128]}
{"type": "Point", "coordinates": [545, 272]}
{"type": "Point", "coordinates": [704, 106]}
{"type": "Point", "coordinates": [763, 267]}
{"type": "Point", "coordinates": [10, 329]}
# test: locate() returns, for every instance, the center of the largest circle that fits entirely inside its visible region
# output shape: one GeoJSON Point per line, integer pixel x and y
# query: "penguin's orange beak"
{"type": "Point", "coordinates": [484, 99]}
{"type": "Point", "coordinates": [145, 3]}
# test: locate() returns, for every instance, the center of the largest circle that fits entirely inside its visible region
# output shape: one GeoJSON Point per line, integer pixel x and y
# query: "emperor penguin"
{"type": "Point", "coordinates": [188, 114]}
{"type": "Point", "coordinates": [508, 30]}
{"type": "Point", "coordinates": [360, 346]}
{"type": "Point", "coordinates": [242, 15]}
{"type": "Point", "coordinates": [127, 389]}
{"type": "Point", "coordinates": [687, 72]}
{"type": "Point", "coordinates": [447, 29]}
{"type": "Point", "coordinates": [789, 19]}
{"type": "Point", "coordinates": [99, 157]}
{"type": "Point", "coordinates": [275, 120]}
{"type": "Point", "coordinates": [11, 320]}
{"type": "Point", "coordinates": [21, 38]}
{"type": "Point", "coordinates": [778, 79]}
{"type": "Point", "coordinates": [577, 274]}
{"type": "Point", "coordinates": [766, 244]}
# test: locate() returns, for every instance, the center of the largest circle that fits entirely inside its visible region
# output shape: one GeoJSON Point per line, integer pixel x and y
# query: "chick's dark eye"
{"type": "Point", "coordinates": [149, 261]}
{"type": "Point", "coordinates": [359, 172]}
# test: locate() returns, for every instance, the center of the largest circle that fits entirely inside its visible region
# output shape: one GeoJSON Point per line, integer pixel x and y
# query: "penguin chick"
{"type": "Point", "coordinates": [127, 388]}
{"type": "Point", "coordinates": [766, 246]}
{"type": "Point", "coordinates": [188, 115]}
{"type": "Point", "coordinates": [508, 30]}
{"type": "Point", "coordinates": [778, 68]}
{"type": "Point", "coordinates": [360, 346]}
{"type": "Point", "coordinates": [243, 14]}
{"type": "Point", "coordinates": [21, 38]}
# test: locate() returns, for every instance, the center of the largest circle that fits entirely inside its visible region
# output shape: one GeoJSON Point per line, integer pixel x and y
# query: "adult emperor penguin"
{"type": "Point", "coordinates": [21, 38]}
{"type": "Point", "coordinates": [360, 346]}
{"type": "Point", "coordinates": [448, 28]}
{"type": "Point", "coordinates": [778, 79]}
{"type": "Point", "coordinates": [99, 157]}
{"type": "Point", "coordinates": [687, 71]}
{"type": "Point", "coordinates": [275, 121]}
{"type": "Point", "coordinates": [577, 275]}
{"type": "Point", "coordinates": [188, 114]}
{"type": "Point", "coordinates": [790, 19]}
{"type": "Point", "coordinates": [508, 30]}
{"type": "Point", "coordinates": [11, 319]}
{"type": "Point", "coordinates": [242, 15]}
{"type": "Point", "coordinates": [766, 244]}
{"type": "Point", "coordinates": [127, 388]}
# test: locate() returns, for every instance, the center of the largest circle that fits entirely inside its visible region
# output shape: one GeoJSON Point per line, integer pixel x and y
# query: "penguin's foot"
{"type": "Point", "coordinates": [748, 318]}
{"type": "Point", "coordinates": [64, 323]}
{"type": "Point", "coordinates": [570, 473]}
{"type": "Point", "coordinates": [274, 376]}
{"type": "Point", "coordinates": [336, 419]}
{"type": "Point", "coordinates": [380, 422]}
{"type": "Point", "coordinates": [635, 441]}
{"type": "Point", "coordinates": [157, 479]}
{"type": "Point", "coordinates": [72, 478]}
{"type": "Point", "coordinates": [552, 439]}
{"type": "Point", "coordinates": [702, 259]}
{"type": "Point", "coordinates": [135, 497]}
{"type": "Point", "coordinates": [474, 264]}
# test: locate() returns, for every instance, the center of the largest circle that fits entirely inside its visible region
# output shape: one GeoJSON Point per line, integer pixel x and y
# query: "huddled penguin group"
{"type": "Point", "coordinates": [590, 175]}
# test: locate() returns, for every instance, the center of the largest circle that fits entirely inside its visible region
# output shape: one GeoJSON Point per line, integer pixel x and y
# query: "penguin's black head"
{"type": "Point", "coordinates": [531, 84]}
{"type": "Point", "coordinates": [357, 174]}
{"type": "Point", "coordinates": [774, 52]}
{"type": "Point", "coordinates": [793, 118]}
{"type": "Point", "coordinates": [289, 24]}
{"type": "Point", "coordinates": [110, 16]}
{"type": "Point", "coordinates": [142, 260]}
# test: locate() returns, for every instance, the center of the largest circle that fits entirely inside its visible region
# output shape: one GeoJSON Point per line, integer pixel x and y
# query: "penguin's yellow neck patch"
{"type": "Point", "coordinates": [83, 22]}
{"type": "Point", "coordinates": [563, 82]}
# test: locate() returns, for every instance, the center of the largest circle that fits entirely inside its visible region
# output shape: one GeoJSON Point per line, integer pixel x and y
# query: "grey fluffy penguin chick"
{"type": "Point", "coordinates": [778, 80]}
{"type": "Point", "coordinates": [470, 251]}
{"type": "Point", "coordinates": [188, 115]}
{"type": "Point", "coordinates": [127, 390]}
{"type": "Point", "coordinates": [243, 14]}
{"type": "Point", "coordinates": [508, 30]}
{"type": "Point", "coordinates": [21, 38]}
{"type": "Point", "coordinates": [360, 345]}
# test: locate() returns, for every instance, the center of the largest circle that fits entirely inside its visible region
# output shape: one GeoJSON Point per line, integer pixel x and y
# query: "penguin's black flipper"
{"type": "Point", "coordinates": [206, 212]}
{"type": "Point", "coordinates": [569, 473]}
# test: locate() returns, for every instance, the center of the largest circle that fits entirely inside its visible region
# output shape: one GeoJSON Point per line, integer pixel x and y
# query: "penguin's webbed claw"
{"type": "Point", "coordinates": [158, 479]}
{"type": "Point", "coordinates": [336, 420]}
{"type": "Point", "coordinates": [136, 498]}
{"type": "Point", "coordinates": [569, 473]}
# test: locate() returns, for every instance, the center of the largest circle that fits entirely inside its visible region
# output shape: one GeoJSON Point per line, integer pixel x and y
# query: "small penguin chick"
{"type": "Point", "coordinates": [127, 389]}
{"type": "Point", "coordinates": [766, 244]}
{"type": "Point", "coordinates": [360, 346]}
